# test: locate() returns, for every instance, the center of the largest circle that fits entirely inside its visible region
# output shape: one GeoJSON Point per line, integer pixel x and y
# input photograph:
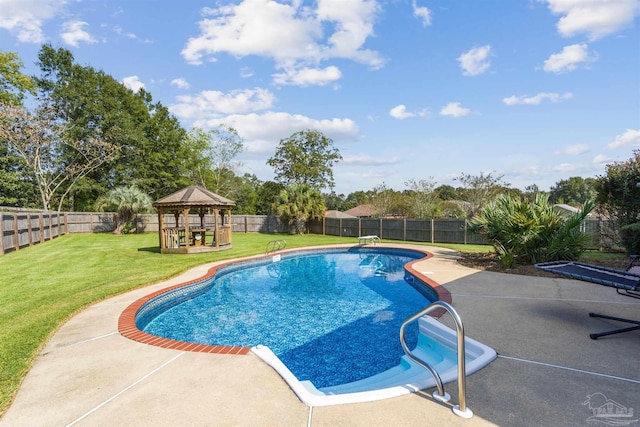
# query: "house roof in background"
{"type": "Point", "coordinates": [337, 214]}
{"type": "Point", "coordinates": [366, 210]}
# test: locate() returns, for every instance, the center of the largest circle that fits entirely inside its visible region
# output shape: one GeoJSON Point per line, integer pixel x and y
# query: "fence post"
{"type": "Point", "coordinates": [404, 229]}
{"type": "Point", "coordinates": [432, 230]}
{"type": "Point", "coordinates": [16, 236]}
{"type": "Point", "coordinates": [29, 231]}
{"type": "Point", "coordinates": [465, 231]}
{"type": "Point", "coordinates": [1, 234]}
{"type": "Point", "coordinates": [381, 228]}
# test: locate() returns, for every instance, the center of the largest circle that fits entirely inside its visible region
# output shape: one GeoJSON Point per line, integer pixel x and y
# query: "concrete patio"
{"type": "Point", "coordinates": [547, 368]}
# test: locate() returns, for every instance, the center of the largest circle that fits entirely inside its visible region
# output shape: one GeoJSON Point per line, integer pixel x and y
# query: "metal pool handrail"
{"type": "Point", "coordinates": [460, 409]}
{"type": "Point", "coordinates": [275, 245]}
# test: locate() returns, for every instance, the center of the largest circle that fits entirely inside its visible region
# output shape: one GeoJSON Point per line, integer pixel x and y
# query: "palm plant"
{"type": "Point", "coordinates": [298, 204]}
{"type": "Point", "coordinates": [531, 232]}
{"type": "Point", "coordinates": [127, 202]}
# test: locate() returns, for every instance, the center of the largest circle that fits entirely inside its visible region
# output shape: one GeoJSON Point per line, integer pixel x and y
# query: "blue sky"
{"type": "Point", "coordinates": [535, 90]}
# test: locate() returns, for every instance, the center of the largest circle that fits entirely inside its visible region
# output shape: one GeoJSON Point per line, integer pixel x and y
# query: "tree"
{"type": "Point", "coordinates": [387, 201]}
{"type": "Point", "coordinates": [423, 200]}
{"type": "Point", "coordinates": [55, 161]}
{"type": "Point", "coordinates": [618, 192]}
{"type": "Point", "coordinates": [268, 194]}
{"type": "Point", "coordinates": [357, 198]}
{"type": "Point", "coordinates": [127, 202]}
{"type": "Point", "coordinates": [306, 157]}
{"type": "Point", "coordinates": [298, 204]}
{"type": "Point", "coordinates": [480, 190]}
{"type": "Point", "coordinates": [16, 189]}
{"type": "Point", "coordinates": [13, 84]}
{"type": "Point", "coordinates": [222, 146]}
{"type": "Point", "coordinates": [573, 191]}
{"type": "Point", "coordinates": [446, 192]}
{"type": "Point", "coordinates": [155, 155]}
{"type": "Point", "coordinates": [334, 202]}
{"type": "Point", "coordinates": [245, 194]}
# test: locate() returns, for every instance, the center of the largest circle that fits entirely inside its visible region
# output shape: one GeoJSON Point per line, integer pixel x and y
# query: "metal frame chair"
{"type": "Point", "coordinates": [626, 282]}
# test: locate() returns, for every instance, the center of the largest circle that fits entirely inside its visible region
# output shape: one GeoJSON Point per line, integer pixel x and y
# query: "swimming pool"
{"type": "Point", "coordinates": [326, 319]}
{"type": "Point", "coordinates": [316, 311]}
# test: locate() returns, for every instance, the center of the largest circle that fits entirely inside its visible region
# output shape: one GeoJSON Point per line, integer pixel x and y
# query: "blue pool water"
{"type": "Point", "coordinates": [332, 317]}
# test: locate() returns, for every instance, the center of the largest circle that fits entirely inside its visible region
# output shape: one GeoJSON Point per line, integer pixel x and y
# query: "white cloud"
{"type": "Point", "coordinates": [211, 103]}
{"type": "Point", "coordinates": [180, 82]}
{"type": "Point", "coordinates": [73, 33]}
{"type": "Point", "coordinates": [400, 112]}
{"type": "Point", "coordinates": [630, 137]}
{"type": "Point", "coordinates": [246, 72]}
{"type": "Point", "coordinates": [575, 150]}
{"type": "Point", "coordinates": [537, 99]}
{"type": "Point", "coordinates": [423, 13]}
{"type": "Point", "coordinates": [133, 83]}
{"type": "Point", "coordinates": [262, 132]}
{"type": "Point", "coordinates": [289, 33]}
{"type": "Point", "coordinates": [308, 76]}
{"type": "Point", "coordinates": [601, 159]}
{"type": "Point", "coordinates": [369, 160]}
{"type": "Point", "coordinates": [568, 59]}
{"type": "Point", "coordinates": [121, 32]}
{"type": "Point", "coordinates": [475, 61]}
{"type": "Point", "coordinates": [596, 18]}
{"type": "Point", "coordinates": [454, 109]}
{"type": "Point", "coordinates": [25, 18]}
{"type": "Point", "coordinates": [565, 168]}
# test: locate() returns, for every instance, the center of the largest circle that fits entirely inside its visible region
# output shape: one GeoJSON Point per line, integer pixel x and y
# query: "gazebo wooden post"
{"type": "Point", "coordinates": [187, 234]}
{"type": "Point", "coordinates": [163, 237]}
{"type": "Point", "coordinates": [215, 227]}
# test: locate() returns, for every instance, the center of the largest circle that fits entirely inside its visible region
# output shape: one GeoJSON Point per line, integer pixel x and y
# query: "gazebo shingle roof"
{"type": "Point", "coordinates": [194, 196]}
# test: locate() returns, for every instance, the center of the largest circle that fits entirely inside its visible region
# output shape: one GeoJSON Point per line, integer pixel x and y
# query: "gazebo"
{"type": "Point", "coordinates": [202, 221]}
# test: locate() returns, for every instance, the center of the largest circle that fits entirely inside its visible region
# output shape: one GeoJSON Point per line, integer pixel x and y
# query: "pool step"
{"type": "Point", "coordinates": [436, 344]}
{"type": "Point", "coordinates": [407, 373]}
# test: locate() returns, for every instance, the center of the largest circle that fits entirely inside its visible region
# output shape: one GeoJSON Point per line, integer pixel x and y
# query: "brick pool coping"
{"type": "Point", "coordinates": [127, 320]}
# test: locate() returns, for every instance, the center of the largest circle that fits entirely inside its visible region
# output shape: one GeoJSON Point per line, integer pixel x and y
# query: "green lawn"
{"type": "Point", "coordinates": [42, 286]}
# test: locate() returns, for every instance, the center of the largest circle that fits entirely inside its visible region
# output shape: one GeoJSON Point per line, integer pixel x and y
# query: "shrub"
{"type": "Point", "coordinates": [630, 238]}
{"type": "Point", "coordinates": [531, 232]}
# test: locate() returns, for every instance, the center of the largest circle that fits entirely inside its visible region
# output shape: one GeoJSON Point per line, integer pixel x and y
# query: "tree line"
{"type": "Point", "coordinates": [72, 135]}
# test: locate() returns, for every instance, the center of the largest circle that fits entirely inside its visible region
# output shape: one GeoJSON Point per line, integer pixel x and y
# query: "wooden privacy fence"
{"type": "Point", "coordinates": [21, 228]}
{"type": "Point", "coordinates": [437, 230]}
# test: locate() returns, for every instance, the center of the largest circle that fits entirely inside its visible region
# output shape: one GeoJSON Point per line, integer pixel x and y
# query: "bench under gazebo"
{"type": "Point", "coordinates": [201, 221]}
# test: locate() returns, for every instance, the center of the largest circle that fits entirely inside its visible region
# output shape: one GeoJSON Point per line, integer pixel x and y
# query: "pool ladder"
{"type": "Point", "coordinates": [440, 395]}
{"type": "Point", "coordinates": [275, 245]}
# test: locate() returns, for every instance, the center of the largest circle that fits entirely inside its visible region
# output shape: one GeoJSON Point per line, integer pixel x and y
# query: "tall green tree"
{"type": "Point", "coordinates": [268, 194]}
{"type": "Point", "coordinates": [16, 185]}
{"type": "Point", "coordinates": [54, 160]}
{"type": "Point", "coordinates": [299, 203]}
{"type": "Point", "coordinates": [155, 154]}
{"type": "Point", "coordinates": [618, 193]}
{"type": "Point", "coordinates": [306, 157]}
{"type": "Point", "coordinates": [423, 200]}
{"type": "Point", "coordinates": [573, 191]}
{"type": "Point", "coordinates": [14, 85]}
{"type": "Point", "coordinates": [479, 190]}
{"type": "Point", "coordinates": [221, 147]}
{"type": "Point", "coordinates": [387, 201]}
